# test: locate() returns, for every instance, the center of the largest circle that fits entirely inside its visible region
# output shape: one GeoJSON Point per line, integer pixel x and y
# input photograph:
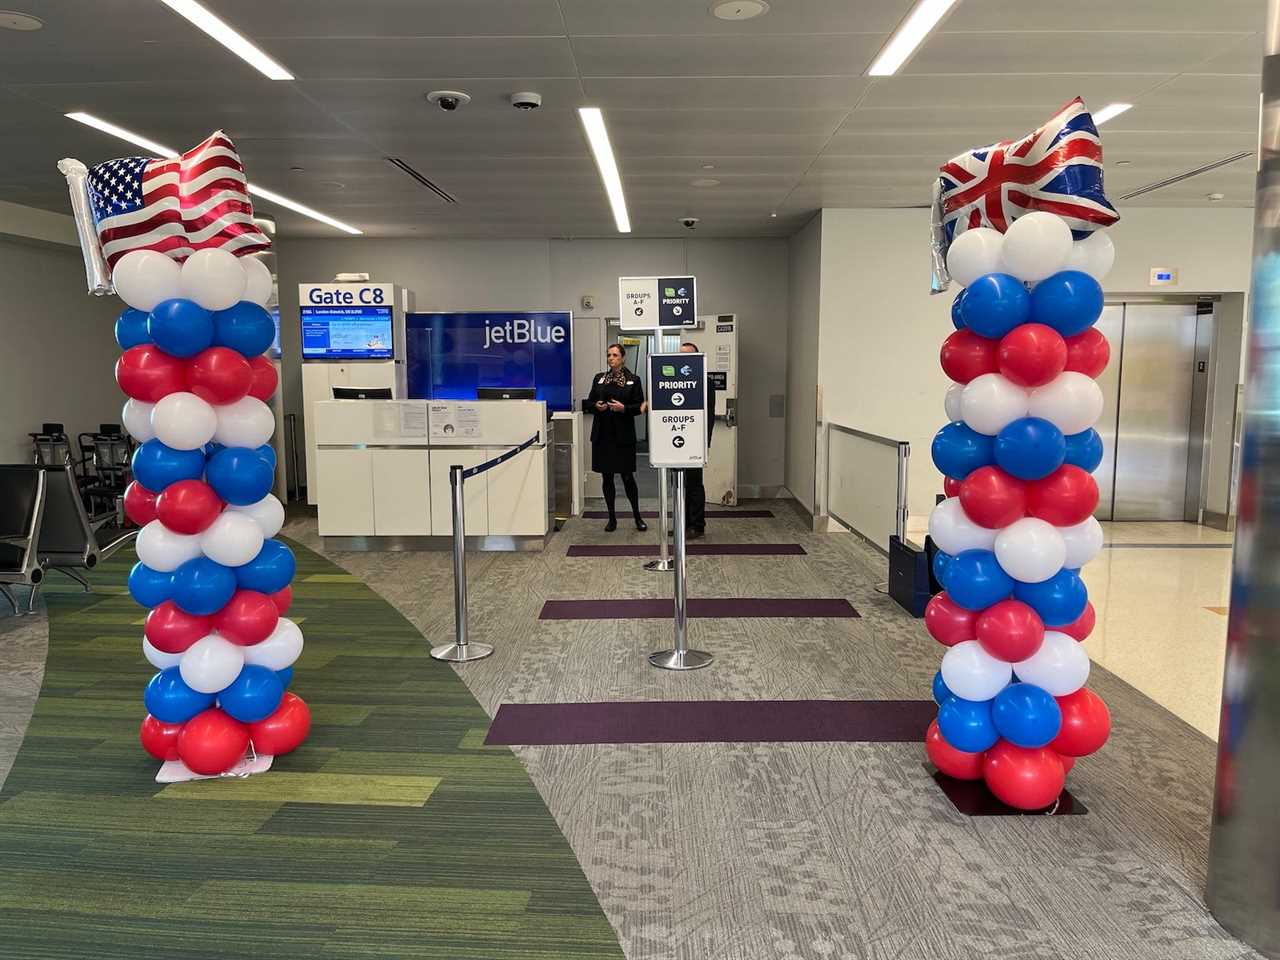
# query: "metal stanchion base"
{"type": "Point", "coordinates": [461, 653]}
{"type": "Point", "coordinates": [668, 565]}
{"type": "Point", "coordinates": [680, 659]}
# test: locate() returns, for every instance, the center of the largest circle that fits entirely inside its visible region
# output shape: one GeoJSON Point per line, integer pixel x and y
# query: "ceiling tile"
{"type": "Point", "coordinates": [1189, 16]}
{"type": "Point", "coordinates": [733, 93]}
{"type": "Point", "coordinates": [1044, 92]}
{"type": "Point", "coordinates": [735, 56]}
{"type": "Point", "coordinates": [682, 18]}
{"type": "Point", "coordinates": [391, 18]}
{"type": "Point", "coordinates": [416, 56]}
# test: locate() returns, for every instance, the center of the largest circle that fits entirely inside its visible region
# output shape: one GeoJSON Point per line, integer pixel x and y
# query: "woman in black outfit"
{"type": "Point", "coordinates": [615, 399]}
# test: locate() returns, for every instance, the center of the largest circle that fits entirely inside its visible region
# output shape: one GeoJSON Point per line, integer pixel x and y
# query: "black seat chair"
{"type": "Point", "coordinates": [68, 542]}
{"type": "Point", "coordinates": [22, 489]}
{"type": "Point", "coordinates": [107, 454]}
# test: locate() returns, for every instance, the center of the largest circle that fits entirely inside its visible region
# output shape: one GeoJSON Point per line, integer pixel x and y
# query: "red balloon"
{"type": "Point", "coordinates": [1082, 626]}
{"type": "Point", "coordinates": [1064, 498]}
{"type": "Point", "coordinates": [948, 622]}
{"type": "Point", "coordinates": [147, 373]}
{"type": "Point", "coordinates": [1088, 353]}
{"type": "Point", "coordinates": [993, 499]}
{"type": "Point", "coordinates": [212, 742]}
{"type": "Point", "coordinates": [285, 729]}
{"type": "Point", "coordinates": [1032, 354]}
{"type": "Point", "coordinates": [1067, 763]}
{"type": "Point", "coordinates": [1010, 630]}
{"type": "Point", "coordinates": [966, 355]}
{"type": "Point", "coordinates": [171, 629]}
{"type": "Point", "coordinates": [248, 618]}
{"type": "Point", "coordinates": [954, 763]}
{"type": "Point", "coordinates": [188, 506]}
{"type": "Point", "coordinates": [283, 599]}
{"type": "Point", "coordinates": [158, 738]}
{"type": "Point", "coordinates": [1022, 777]}
{"type": "Point", "coordinates": [1086, 724]}
{"type": "Point", "coordinates": [265, 379]}
{"type": "Point", "coordinates": [219, 375]}
{"type": "Point", "coordinates": [951, 487]}
{"type": "Point", "coordinates": [139, 503]}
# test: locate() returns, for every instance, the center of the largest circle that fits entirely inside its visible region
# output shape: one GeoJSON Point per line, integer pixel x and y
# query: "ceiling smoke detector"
{"type": "Point", "coordinates": [526, 100]}
{"type": "Point", "coordinates": [739, 9]}
{"type": "Point", "coordinates": [24, 22]}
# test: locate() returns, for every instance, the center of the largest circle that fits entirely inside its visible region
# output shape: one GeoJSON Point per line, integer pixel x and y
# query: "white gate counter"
{"type": "Point", "coordinates": [382, 473]}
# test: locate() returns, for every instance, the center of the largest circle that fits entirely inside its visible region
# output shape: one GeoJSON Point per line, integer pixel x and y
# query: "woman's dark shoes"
{"type": "Point", "coordinates": [641, 525]}
{"type": "Point", "coordinates": [611, 526]}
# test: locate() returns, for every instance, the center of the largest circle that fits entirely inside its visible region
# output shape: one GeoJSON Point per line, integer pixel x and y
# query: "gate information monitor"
{"type": "Point", "coordinates": [677, 410]}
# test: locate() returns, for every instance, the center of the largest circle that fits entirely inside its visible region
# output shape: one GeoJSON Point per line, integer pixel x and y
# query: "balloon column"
{"type": "Point", "coordinates": [1017, 524]}
{"type": "Point", "coordinates": [216, 583]}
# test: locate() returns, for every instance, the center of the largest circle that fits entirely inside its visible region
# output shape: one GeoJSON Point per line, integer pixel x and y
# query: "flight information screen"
{"type": "Point", "coordinates": [347, 333]}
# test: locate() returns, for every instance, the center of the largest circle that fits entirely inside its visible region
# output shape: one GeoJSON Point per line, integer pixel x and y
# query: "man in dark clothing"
{"type": "Point", "coordinates": [695, 508]}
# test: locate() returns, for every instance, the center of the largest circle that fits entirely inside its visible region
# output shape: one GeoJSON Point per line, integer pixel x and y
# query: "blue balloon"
{"type": "Point", "coordinates": [131, 328]}
{"type": "Point", "coordinates": [941, 560]}
{"type": "Point", "coordinates": [202, 587]}
{"type": "Point", "coordinates": [1059, 600]}
{"type": "Point", "coordinates": [148, 587]}
{"type": "Point", "coordinates": [268, 452]}
{"type": "Point", "coordinates": [995, 304]}
{"type": "Point", "coordinates": [181, 327]}
{"type": "Point", "coordinates": [958, 450]}
{"type": "Point", "coordinates": [1070, 302]}
{"type": "Point", "coordinates": [967, 725]}
{"type": "Point", "coordinates": [286, 676]}
{"type": "Point", "coordinates": [940, 691]}
{"type": "Point", "coordinates": [1029, 448]}
{"type": "Point", "coordinates": [155, 466]}
{"type": "Point", "coordinates": [1084, 450]}
{"type": "Point", "coordinates": [975, 580]}
{"type": "Point", "coordinates": [170, 700]}
{"type": "Point", "coordinates": [253, 695]}
{"type": "Point", "coordinates": [245, 327]}
{"type": "Point", "coordinates": [270, 571]}
{"type": "Point", "coordinates": [1026, 715]}
{"type": "Point", "coordinates": [239, 475]}
{"type": "Point", "coordinates": [957, 319]}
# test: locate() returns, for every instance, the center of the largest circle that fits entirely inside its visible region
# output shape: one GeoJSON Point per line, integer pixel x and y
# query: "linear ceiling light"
{"type": "Point", "coordinates": [598, 137]}
{"type": "Point", "coordinates": [909, 35]}
{"type": "Point", "coordinates": [229, 37]}
{"type": "Point", "coordinates": [1110, 112]}
{"type": "Point", "coordinates": [161, 150]}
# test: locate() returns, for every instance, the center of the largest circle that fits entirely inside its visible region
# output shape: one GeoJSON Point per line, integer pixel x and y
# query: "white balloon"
{"type": "Point", "coordinates": [214, 279]}
{"type": "Point", "coordinates": [973, 674]}
{"type": "Point", "coordinates": [1036, 246]}
{"type": "Point", "coordinates": [1094, 255]}
{"type": "Point", "coordinates": [952, 402]}
{"type": "Point", "coordinates": [280, 649]}
{"type": "Point", "coordinates": [1060, 666]}
{"type": "Point", "coordinates": [991, 402]}
{"type": "Point", "coordinates": [163, 550]}
{"type": "Point", "coordinates": [267, 513]}
{"type": "Point", "coordinates": [183, 421]}
{"type": "Point", "coordinates": [231, 540]}
{"type": "Point", "coordinates": [1030, 550]}
{"type": "Point", "coordinates": [246, 423]}
{"type": "Point", "coordinates": [1082, 542]}
{"type": "Point", "coordinates": [158, 658]}
{"type": "Point", "coordinates": [974, 254]}
{"type": "Point", "coordinates": [1071, 401]}
{"type": "Point", "coordinates": [953, 531]}
{"type": "Point", "coordinates": [136, 417]}
{"type": "Point", "coordinates": [211, 663]}
{"type": "Point", "coordinates": [143, 278]}
{"type": "Point", "coordinates": [259, 282]}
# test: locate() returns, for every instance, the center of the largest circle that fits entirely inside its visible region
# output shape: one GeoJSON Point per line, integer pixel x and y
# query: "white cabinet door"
{"type": "Point", "coordinates": [476, 505]}
{"type": "Point", "coordinates": [518, 493]}
{"type": "Point", "coordinates": [402, 493]}
{"type": "Point", "coordinates": [344, 480]}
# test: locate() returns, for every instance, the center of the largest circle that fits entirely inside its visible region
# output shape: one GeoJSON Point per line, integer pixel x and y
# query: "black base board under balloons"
{"type": "Point", "coordinates": [973, 799]}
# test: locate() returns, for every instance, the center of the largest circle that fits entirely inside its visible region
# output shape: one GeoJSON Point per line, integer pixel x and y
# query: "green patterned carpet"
{"type": "Point", "coordinates": [392, 832]}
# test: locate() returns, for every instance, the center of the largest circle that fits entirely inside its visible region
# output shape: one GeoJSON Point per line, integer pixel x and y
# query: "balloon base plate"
{"type": "Point", "coordinates": [175, 771]}
{"type": "Point", "coordinates": [973, 799]}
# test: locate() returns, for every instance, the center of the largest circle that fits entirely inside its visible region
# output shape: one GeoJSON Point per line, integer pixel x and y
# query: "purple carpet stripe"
{"type": "Point", "coordinates": [713, 721]}
{"type": "Point", "coordinates": [711, 514]}
{"type": "Point", "coordinates": [710, 607]}
{"type": "Point", "coordinates": [695, 549]}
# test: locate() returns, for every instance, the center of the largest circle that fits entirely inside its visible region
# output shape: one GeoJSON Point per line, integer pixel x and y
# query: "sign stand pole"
{"type": "Point", "coordinates": [664, 560]}
{"type": "Point", "coordinates": [460, 651]}
{"type": "Point", "coordinates": [680, 657]}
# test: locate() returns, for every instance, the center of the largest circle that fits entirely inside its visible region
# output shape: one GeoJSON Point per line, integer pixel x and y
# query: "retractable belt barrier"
{"type": "Point", "coordinates": [461, 650]}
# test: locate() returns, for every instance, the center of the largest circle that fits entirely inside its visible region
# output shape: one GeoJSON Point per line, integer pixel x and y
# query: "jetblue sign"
{"type": "Point", "coordinates": [646, 303]}
{"type": "Point", "coordinates": [522, 330]}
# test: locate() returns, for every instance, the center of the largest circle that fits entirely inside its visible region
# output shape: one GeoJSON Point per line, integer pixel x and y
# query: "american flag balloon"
{"type": "Point", "coordinates": [175, 206]}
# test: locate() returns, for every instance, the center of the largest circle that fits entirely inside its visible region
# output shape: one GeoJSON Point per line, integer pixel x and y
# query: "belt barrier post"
{"type": "Point", "coordinates": [680, 657]}
{"type": "Point", "coordinates": [664, 559]}
{"type": "Point", "coordinates": [461, 650]}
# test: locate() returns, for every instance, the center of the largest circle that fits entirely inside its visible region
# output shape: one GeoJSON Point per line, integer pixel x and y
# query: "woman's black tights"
{"type": "Point", "coordinates": [611, 493]}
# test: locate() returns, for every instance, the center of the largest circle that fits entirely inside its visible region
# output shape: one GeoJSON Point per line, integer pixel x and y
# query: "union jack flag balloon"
{"type": "Point", "coordinates": [1056, 168]}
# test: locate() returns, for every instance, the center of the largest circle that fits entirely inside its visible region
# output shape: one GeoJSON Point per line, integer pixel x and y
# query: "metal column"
{"type": "Point", "coordinates": [664, 560]}
{"type": "Point", "coordinates": [1244, 848]}
{"type": "Point", "coordinates": [681, 657]}
{"type": "Point", "coordinates": [460, 651]}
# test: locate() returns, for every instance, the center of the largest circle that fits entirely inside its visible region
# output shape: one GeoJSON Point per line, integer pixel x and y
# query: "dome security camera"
{"type": "Point", "coordinates": [526, 100]}
{"type": "Point", "coordinates": [449, 100]}
{"type": "Point", "coordinates": [689, 223]}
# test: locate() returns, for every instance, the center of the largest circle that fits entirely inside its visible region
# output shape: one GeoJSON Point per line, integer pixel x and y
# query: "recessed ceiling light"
{"type": "Point", "coordinates": [739, 9]}
{"type": "Point", "coordinates": [229, 37]}
{"type": "Point", "coordinates": [704, 182]}
{"type": "Point", "coordinates": [13, 20]}
{"type": "Point", "coordinates": [773, 216]}
{"type": "Point", "coordinates": [923, 17]}
{"type": "Point", "coordinates": [598, 138]}
{"type": "Point", "coordinates": [708, 166]}
{"type": "Point", "coordinates": [1215, 197]}
{"type": "Point", "coordinates": [1123, 163]}
{"type": "Point", "coordinates": [1110, 112]}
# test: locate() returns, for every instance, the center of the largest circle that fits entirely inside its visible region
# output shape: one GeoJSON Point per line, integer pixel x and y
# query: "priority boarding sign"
{"type": "Point", "coordinates": [677, 410]}
{"type": "Point", "coordinates": [648, 303]}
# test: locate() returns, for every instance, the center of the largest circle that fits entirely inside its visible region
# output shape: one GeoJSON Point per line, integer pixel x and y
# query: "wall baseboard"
{"type": "Point", "coordinates": [762, 491]}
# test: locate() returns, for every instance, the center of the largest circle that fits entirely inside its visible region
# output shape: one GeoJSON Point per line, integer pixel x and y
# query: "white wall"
{"type": "Point", "coordinates": [746, 277]}
{"type": "Point", "coordinates": [805, 251]}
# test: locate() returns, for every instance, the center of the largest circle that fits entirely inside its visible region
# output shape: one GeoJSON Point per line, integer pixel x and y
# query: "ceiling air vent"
{"type": "Point", "coordinates": [434, 188]}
